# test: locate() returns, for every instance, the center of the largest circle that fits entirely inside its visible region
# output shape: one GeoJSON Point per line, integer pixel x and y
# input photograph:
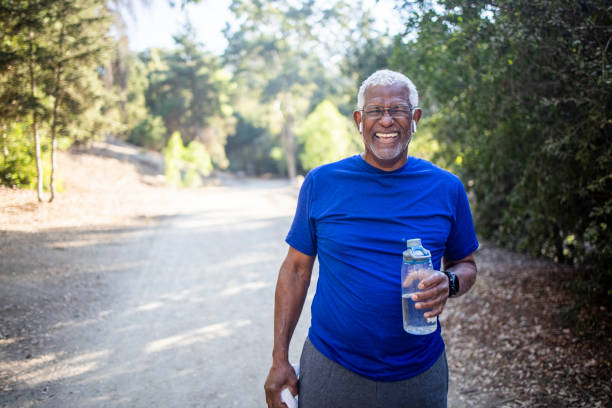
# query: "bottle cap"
{"type": "Point", "coordinates": [413, 242]}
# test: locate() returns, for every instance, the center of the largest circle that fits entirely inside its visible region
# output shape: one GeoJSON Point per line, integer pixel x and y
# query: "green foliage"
{"type": "Point", "coordinates": [149, 133]}
{"type": "Point", "coordinates": [50, 52]}
{"type": "Point", "coordinates": [190, 91]}
{"type": "Point", "coordinates": [173, 154]}
{"type": "Point", "coordinates": [424, 143]}
{"type": "Point", "coordinates": [185, 167]}
{"type": "Point", "coordinates": [326, 136]}
{"type": "Point", "coordinates": [282, 66]}
{"type": "Point", "coordinates": [196, 156]}
{"type": "Point", "coordinates": [250, 148]}
{"type": "Point", "coordinates": [522, 94]}
{"type": "Point", "coordinates": [79, 42]}
{"type": "Point", "coordinates": [366, 52]}
{"type": "Point", "coordinates": [17, 161]}
{"type": "Point", "coordinates": [17, 166]}
{"type": "Point", "coordinates": [136, 112]}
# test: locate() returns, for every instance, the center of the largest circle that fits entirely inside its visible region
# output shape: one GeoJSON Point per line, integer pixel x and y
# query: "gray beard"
{"type": "Point", "coordinates": [386, 155]}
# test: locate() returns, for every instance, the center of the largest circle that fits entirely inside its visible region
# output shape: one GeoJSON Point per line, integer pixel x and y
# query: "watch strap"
{"type": "Point", "coordinates": [453, 283]}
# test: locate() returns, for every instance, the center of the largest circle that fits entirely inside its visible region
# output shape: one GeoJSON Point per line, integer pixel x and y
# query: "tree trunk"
{"type": "Point", "coordinates": [53, 160]}
{"type": "Point", "coordinates": [558, 238]}
{"type": "Point", "coordinates": [56, 102]}
{"type": "Point", "coordinates": [39, 170]}
{"type": "Point", "coordinates": [5, 151]}
{"type": "Point", "coordinates": [287, 135]}
{"type": "Point", "coordinates": [288, 138]}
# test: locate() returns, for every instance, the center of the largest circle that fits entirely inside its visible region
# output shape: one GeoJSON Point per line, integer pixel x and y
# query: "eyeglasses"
{"type": "Point", "coordinates": [396, 112]}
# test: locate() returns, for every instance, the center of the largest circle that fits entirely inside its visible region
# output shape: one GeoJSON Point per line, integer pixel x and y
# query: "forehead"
{"type": "Point", "coordinates": [396, 93]}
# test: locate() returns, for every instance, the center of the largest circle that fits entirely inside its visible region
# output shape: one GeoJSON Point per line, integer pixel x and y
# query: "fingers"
{"type": "Point", "coordinates": [436, 305]}
{"type": "Point", "coordinates": [433, 295]}
{"type": "Point", "coordinates": [279, 377]}
{"type": "Point", "coordinates": [273, 397]}
{"type": "Point", "coordinates": [432, 286]}
{"type": "Point", "coordinates": [433, 280]}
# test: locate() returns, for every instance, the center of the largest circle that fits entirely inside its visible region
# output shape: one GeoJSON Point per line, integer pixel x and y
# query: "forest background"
{"type": "Point", "coordinates": [516, 95]}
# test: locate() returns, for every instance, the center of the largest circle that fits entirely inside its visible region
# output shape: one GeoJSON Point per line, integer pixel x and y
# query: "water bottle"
{"type": "Point", "coordinates": [416, 267]}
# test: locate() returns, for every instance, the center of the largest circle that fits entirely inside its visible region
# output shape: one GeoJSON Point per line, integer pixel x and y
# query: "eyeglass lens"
{"type": "Point", "coordinates": [400, 111]}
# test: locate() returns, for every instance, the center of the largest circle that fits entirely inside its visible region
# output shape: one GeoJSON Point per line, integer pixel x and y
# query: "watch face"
{"type": "Point", "coordinates": [454, 284]}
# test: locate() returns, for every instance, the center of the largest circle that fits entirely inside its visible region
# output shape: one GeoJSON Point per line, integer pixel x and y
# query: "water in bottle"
{"type": "Point", "coordinates": [415, 267]}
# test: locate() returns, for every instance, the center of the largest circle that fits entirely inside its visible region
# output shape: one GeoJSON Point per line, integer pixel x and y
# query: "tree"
{"type": "Point", "coordinates": [188, 89]}
{"type": "Point", "coordinates": [49, 60]}
{"type": "Point", "coordinates": [326, 136]}
{"type": "Point", "coordinates": [367, 51]}
{"type": "Point", "coordinates": [521, 90]}
{"type": "Point", "coordinates": [23, 25]}
{"type": "Point", "coordinates": [77, 39]}
{"type": "Point", "coordinates": [186, 166]}
{"type": "Point", "coordinates": [251, 148]}
{"type": "Point", "coordinates": [143, 128]}
{"type": "Point", "coordinates": [275, 52]}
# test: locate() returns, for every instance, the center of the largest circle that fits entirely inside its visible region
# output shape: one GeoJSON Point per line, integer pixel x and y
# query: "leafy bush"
{"type": "Point", "coordinates": [523, 93]}
{"type": "Point", "coordinates": [173, 154]}
{"type": "Point", "coordinates": [196, 156]}
{"type": "Point", "coordinates": [185, 167]}
{"type": "Point", "coordinates": [17, 162]}
{"type": "Point", "coordinates": [326, 136]}
{"type": "Point", "coordinates": [148, 133]}
{"type": "Point", "coordinates": [251, 149]}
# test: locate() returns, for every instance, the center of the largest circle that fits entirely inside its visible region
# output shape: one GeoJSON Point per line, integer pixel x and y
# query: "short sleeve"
{"type": "Point", "coordinates": [302, 234]}
{"type": "Point", "coordinates": [462, 239]}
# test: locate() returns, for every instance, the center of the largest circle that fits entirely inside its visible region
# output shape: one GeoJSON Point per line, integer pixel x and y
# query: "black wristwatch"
{"type": "Point", "coordinates": [453, 283]}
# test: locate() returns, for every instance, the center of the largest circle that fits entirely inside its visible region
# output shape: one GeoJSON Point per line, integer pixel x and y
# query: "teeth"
{"type": "Point", "coordinates": [386, 135]}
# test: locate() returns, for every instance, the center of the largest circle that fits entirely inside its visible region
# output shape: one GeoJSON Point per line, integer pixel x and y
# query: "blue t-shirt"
{"type": "Point", "coordinates": [357, 219]}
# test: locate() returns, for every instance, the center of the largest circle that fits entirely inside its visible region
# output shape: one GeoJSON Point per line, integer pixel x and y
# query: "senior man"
{"type": "Point", "coordinates": [356, 215]}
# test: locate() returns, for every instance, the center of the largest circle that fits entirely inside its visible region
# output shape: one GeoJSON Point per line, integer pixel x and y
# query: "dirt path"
{"type": "Point", "coordinates": [125, 293]}
{"type": "Point", "coordinates": [173, 311]}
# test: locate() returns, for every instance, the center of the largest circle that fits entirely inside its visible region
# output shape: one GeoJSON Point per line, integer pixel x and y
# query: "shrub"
{"type": "Point", "coordinates": [17, 161]}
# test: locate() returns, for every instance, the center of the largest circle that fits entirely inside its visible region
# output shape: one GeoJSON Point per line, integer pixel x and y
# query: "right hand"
{"type": "Point", "coordinates": [281, 376]}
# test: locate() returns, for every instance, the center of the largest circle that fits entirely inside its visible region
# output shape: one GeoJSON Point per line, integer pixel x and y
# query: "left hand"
{"type": "Point", "coordinates": [433, 295]}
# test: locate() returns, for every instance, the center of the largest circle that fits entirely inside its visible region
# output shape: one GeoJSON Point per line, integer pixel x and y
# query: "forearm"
{"type": "Point", "coordinates": [466, 271]}
{"type": "Point", "coordinates": [291, 290]}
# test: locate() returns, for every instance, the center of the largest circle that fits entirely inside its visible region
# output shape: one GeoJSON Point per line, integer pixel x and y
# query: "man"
{"type": "Point", "coordinates": [356, 215]}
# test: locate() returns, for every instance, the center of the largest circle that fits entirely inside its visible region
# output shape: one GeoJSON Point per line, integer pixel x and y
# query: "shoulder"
{"type": "Point", "coordinates": [332, 178]}
{"type": "Point", "coordinates": [330, 169]}
{"type": "Point", "coordinates": [427, 168]}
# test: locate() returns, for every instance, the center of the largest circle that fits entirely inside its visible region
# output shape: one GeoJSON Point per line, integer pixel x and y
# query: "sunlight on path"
{"type": "Point", "coordinates": [173, 309]}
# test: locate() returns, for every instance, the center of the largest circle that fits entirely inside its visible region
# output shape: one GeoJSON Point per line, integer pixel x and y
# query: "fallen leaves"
{"type": "Point", "coordinates": [509, 344]}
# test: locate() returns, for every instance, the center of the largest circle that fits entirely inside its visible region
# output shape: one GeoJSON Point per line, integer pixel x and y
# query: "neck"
{"type": "Point", "coordinates": [385, 165]}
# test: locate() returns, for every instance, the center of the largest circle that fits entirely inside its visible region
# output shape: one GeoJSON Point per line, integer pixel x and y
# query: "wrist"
{"type": "Point", "coordinates": [280, 357]}
{"type": "Point", "coordinates": [453, 283]}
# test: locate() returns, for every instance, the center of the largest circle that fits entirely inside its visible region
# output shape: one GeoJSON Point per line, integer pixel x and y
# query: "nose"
{"type": "Point", "coordinates": [387, 119]}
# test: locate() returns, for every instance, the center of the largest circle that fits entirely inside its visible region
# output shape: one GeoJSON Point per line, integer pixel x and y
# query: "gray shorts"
{"type": "Point", "coordinates": [326, 384]}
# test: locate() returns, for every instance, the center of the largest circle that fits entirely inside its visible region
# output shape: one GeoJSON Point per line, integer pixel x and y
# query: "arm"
{"type": "Point", "coordinates": [466, 270]}
{"type": "Point", "coordinates": [291, 289]}
{"type": "Point", "coordinates": [435, 288]}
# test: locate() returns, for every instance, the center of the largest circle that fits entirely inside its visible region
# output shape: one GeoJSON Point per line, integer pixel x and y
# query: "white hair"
{"type": "Point", "coordinates": [388, 77]}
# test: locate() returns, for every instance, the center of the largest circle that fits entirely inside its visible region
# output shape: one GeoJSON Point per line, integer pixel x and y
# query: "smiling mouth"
{"type": "Point", "coordinates": [386, 136]}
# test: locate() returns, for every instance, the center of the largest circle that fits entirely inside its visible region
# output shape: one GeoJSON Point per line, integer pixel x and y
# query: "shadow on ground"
{"type": "Point", "coordinates": [171, 313]}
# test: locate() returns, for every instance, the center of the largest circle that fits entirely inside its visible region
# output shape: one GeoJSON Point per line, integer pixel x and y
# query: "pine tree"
{"type": "Point", "coordinates": [78, 43]}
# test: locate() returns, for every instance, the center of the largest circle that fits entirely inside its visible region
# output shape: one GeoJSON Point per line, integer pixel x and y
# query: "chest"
{"type": "Point", "coordinates": [374, 219]}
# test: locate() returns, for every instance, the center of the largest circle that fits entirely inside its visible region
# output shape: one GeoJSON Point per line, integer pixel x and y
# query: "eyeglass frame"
{"type": "Point", "coordinates": [388, 111]}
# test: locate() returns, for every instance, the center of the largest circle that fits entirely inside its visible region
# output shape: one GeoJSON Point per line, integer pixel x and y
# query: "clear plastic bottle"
{"type": "Point", "coordinates": [415, 267]}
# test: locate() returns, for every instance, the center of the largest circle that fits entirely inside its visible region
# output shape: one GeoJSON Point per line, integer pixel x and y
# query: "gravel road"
{"type": "Point", "coordinates": [171, 311]}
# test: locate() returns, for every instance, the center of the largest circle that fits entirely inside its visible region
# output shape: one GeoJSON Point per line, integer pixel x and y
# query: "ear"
{"type": "Point", "coordinates": [357, 119]}
{"type": "Point", "coordinates": [416, 115]}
